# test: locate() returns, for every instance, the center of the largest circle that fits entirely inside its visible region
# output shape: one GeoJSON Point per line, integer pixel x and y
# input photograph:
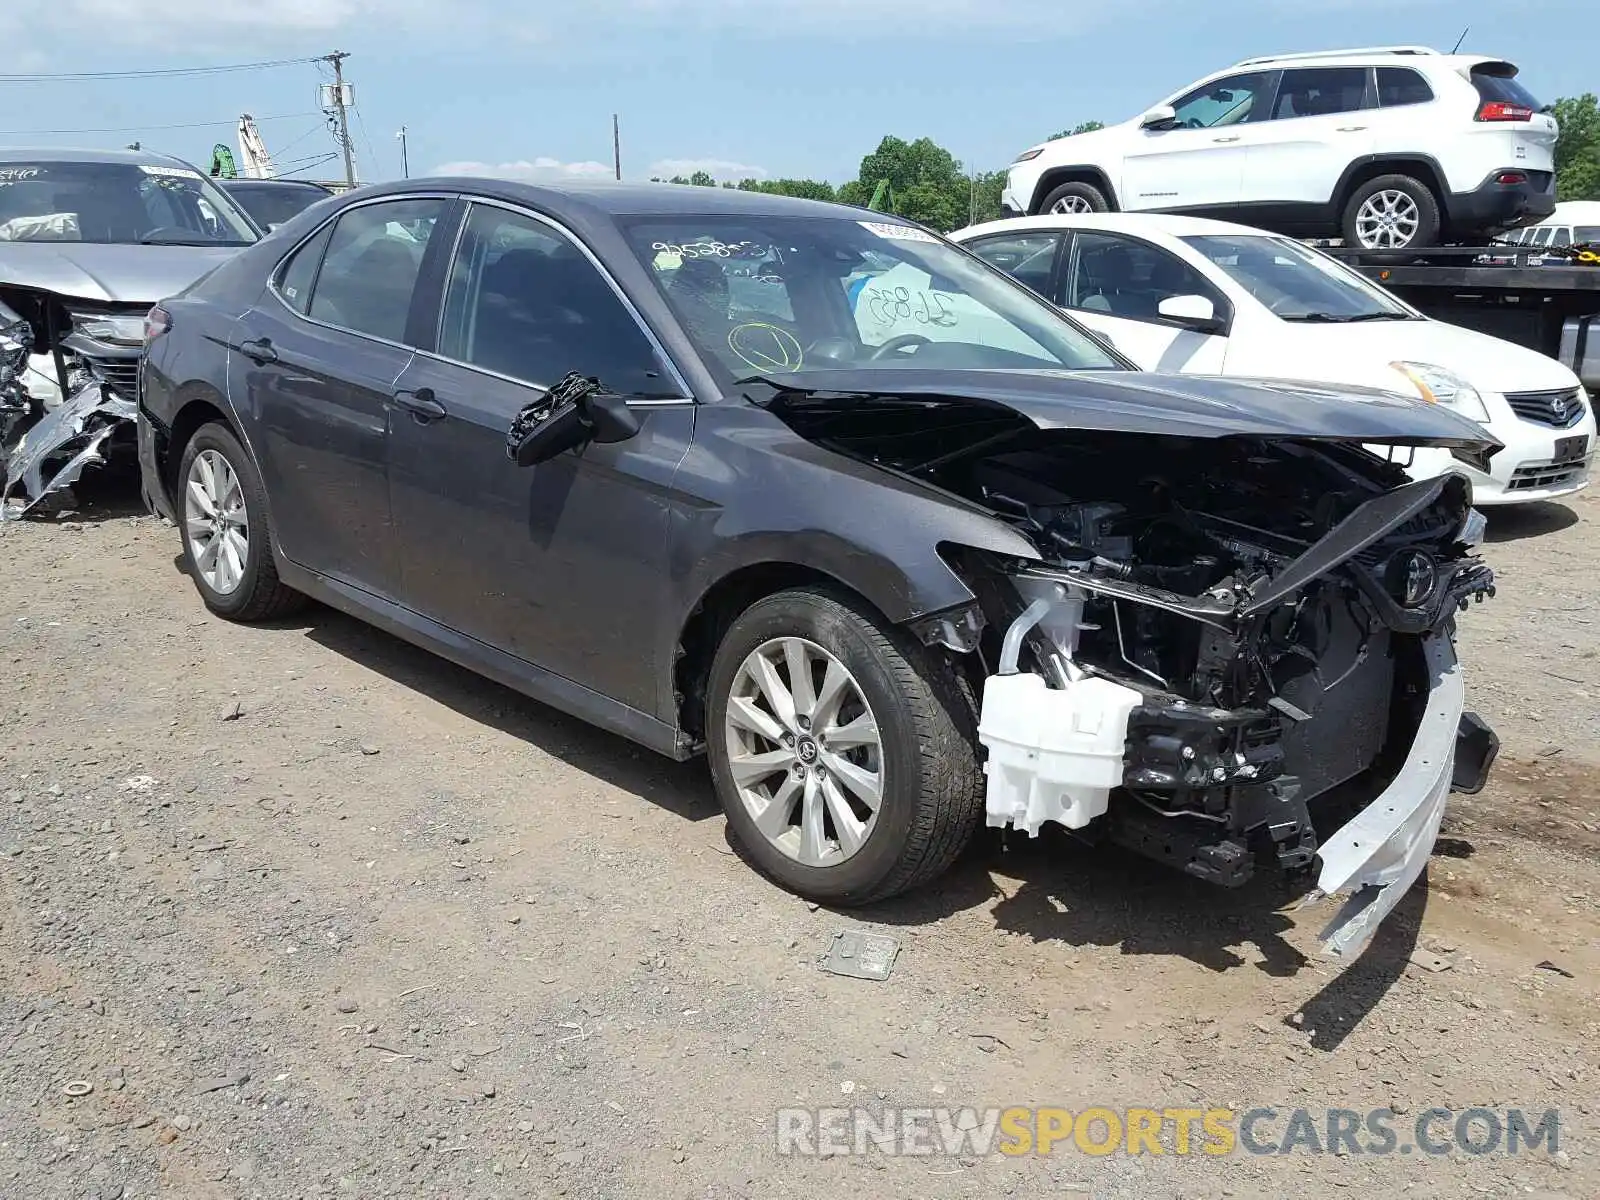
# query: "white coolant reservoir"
{"type": "Point", "coordinates": [1054, 753]}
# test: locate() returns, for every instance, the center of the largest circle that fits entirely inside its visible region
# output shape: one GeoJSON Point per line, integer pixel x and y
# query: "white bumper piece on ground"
{"type": "Point", "coordinates": [1056, 754]}
{"type": "Point", "coordinates": [1382, 851]}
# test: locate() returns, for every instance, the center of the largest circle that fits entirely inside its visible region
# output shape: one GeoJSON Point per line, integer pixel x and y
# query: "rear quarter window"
{"type": "Point", "coordinates": [1401, 85]}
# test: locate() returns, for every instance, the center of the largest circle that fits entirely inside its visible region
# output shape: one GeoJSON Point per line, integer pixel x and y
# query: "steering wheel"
{"type": "Point", "coordinates": [834, 349]}
{"type": "Point", "coordinates": [1193, 123]}
{"type": "Point", "coordinates": [900, 341]}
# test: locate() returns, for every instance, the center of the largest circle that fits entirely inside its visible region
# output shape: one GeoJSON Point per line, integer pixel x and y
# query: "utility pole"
{"type": "Point", "coordinates": [616, 146]}
{"type": "Point", "coordinates": [405, 162]}
{"type": "Point", "coordinates": [337, 59]}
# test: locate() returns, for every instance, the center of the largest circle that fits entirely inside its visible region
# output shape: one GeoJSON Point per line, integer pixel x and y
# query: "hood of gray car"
{"type": "Point", "coordinates": [107, 274]}
{"type": "Point", "coordinates": [1199, 406]}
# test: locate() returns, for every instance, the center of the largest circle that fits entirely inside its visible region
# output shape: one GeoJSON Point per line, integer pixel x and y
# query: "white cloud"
{"type": "Point", "coordinates": [528, 170]}
{"type": "Point", "coordinates": [719, 169]}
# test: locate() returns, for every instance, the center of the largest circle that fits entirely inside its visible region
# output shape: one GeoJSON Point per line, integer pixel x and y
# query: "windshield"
{"type": "Point", "coordinates": [774, 295]}
{"type": "Point", "coordinates": [116, 203]}
{"type": "Point", "coordinates": [1296, 282]}
{"type": "Point", "coordinates": [272, 204]}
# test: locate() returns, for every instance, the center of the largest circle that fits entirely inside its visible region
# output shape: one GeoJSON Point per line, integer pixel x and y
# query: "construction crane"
{"type": "Point", "coordinates": [254, 161]}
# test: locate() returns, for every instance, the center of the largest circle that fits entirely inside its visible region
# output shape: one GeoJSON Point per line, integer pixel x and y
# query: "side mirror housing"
{"type": "Point", "coordinates": [1162, 116]}
{"type": "Point", "coordinates": [1192, 312]}
{"type": "Point", "coordinates": [572, 413]}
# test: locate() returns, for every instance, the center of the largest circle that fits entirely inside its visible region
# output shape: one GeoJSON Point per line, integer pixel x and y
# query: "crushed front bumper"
{"type": "Point", "coordinates": [1378, 855]}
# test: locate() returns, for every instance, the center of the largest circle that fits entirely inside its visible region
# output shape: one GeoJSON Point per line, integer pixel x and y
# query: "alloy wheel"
{"type": "Point", "coordinates": [216, 520]}
{"type": "Point", "coordinates": [1387, 220]}
{"type": "Point", "coordinates": [804, 751]}
{"type": "Point", "coordinates": [1072, 204]}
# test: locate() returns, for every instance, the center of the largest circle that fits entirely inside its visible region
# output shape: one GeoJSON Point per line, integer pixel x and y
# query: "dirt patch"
{"type": "Point", "coordinates": [315, 913]}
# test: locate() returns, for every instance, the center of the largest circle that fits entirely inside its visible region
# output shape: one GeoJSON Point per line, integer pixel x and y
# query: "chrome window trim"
{"type": "Point", "coordinates": [687, 396]}
{"type": "Point", "coordinates": [277, 270]}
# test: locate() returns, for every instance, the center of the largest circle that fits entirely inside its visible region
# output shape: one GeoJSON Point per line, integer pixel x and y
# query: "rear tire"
{"type": "Point", "coordinates": [227, 545]}
{"type": "Point", "coordinates": [905, 728]}
{"type": "Point", "coordinates": [1071, 198]}
{"type": "Point", "coordinates": [1391, 212]}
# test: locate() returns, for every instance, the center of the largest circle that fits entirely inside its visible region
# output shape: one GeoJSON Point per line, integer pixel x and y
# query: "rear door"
{"type": "Point", "coordinates": [1198, 163]}
{"type": "Point", "coordinates": [1321, 120]}
{"type": "Point", "coordinates": [1115, 284]}
{"type": "Point", "coordinates": [312, 369]}
{"type": "Point", "coordinates": [561, 564]}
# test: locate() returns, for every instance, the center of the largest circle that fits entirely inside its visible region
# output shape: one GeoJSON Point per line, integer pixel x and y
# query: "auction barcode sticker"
{"type": "Point", "coordinates": [904, 233]}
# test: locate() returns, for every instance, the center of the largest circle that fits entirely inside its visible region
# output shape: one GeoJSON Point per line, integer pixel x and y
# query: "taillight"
{"type": "Point", "coordinates": [1499, 110]}
{"type": "Point", "coordinates": [156, 322]}
{"type": "Point", "coordinates": [1509, 177]}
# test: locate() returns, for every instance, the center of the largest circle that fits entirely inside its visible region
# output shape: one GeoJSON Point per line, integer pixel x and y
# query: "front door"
{"type": "Point", "coordinates": [312, 369]}
{"type": "Point", "coordinates": [560, 564]}
{"type": "Point", "coordinates": [1197, 163]}
{"type": "Point", "coordinates": [1115, 285]}
{"type": "Point", "coordinates": [1322, 120]}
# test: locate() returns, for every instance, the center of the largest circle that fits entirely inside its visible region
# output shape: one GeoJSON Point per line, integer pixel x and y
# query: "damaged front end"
{"type": "Point", "coordinates": [68, 394]}
{"type": "Point", "coordinates": [1225, 645]}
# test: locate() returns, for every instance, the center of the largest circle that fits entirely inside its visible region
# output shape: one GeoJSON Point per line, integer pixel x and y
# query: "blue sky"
{"type": "Point", "coordinates": [740, 87]}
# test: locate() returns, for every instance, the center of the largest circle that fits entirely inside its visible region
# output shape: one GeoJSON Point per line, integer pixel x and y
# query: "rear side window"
{"type": "Point", "coordinates": [1320, 92]}
{"type": "Point", "coordinates": [1495, 85]}
{"type": "Point", "coordinates": [1563, 237]}
{"type": "Point", "coordinates": [297, 276]}
{"type": "Point", "coordinates": [1401, 85]}
{"type": "Point", "coordinates": [371, 267]}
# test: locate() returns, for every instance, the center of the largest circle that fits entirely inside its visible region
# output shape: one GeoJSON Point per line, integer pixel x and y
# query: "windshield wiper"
{"type": "Point", "coordinates": [1346, 319]}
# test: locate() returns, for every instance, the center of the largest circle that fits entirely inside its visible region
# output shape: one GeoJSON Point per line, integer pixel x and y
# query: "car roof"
{"type": "Point", "coordinates": [611, 199]}
{"type": "Point", "coordinates": [1423, 56]}
{"type": "Point", "coordinates": [245, 181]}
{"type": "Point", "coordinates": [40, 154]}
{"type": "Point", "coordinates": [1146, 224]}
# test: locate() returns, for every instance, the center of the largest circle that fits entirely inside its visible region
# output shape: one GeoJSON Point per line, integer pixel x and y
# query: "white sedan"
{"type": "Point", "coordinates": [1211, 298]}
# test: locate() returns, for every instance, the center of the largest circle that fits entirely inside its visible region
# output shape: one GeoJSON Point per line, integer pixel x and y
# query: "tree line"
{"type": "Point", "coordinates": [924, 182]}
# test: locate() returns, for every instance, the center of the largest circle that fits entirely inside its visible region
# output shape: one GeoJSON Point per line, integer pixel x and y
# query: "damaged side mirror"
{"type": "Point", "coordinates": [572, 413]}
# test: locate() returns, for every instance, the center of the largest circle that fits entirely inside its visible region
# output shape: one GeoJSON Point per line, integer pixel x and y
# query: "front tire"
{"type": "Point", "coordinates": [1072, 198]}
{"type": "Point", "coordinates": [227, 546]}
{"type": "Point", "coordinates": [844, 753]}
{"type": "Point", "coordinates": [1391, 212]}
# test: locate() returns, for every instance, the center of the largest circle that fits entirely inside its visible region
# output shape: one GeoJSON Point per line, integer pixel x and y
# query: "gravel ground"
{"type": "Point", "coordinates": [313, 913]}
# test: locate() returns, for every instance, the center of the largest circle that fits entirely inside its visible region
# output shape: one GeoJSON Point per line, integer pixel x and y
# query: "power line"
{"type": "Point", "coordinates": [146, 128]}
{"type": "Point", "coordinates": [159, 72]}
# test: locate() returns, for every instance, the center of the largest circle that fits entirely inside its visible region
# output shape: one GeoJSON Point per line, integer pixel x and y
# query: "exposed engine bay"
{"type": "Point", "coordinates": [68, 391]}
{"type": "Point", "coordinates": [1224, 645]}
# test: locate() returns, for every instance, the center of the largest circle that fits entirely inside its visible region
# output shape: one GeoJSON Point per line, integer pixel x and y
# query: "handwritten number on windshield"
{"type": "Point", "coordinates": [891, 305]}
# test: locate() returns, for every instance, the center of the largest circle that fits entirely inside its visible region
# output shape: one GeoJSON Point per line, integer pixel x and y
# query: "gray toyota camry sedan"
{"type": "Point", "coordinates": [807, 489]}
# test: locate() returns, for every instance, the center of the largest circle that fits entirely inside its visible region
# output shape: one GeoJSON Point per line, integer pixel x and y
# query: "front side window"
{"type": "Point", "coordinates": [1320, 92]}
{"type": "Point", "coordinates": [1583, 235]}
{"type": "Point", "coordinates": [1542, 235]}
{"type": "Point", "coordinates": [116, 203]}
{"type": "Point", "coordinates": [371, 266]}
{"type": "Point", "coordinates": [1402, 85]}
{"type": "Point", "coordinates": [776, 295]}
{"type": "Point", "coordinates": [1123, 277]}
{"type": "Point", "coordinates": [1563, 237]}
{"type": "Point", "coordinates": [525, 302]}
{"type": "Point", "coordinates": [1229, 101]}
{"type": "Point", "coordinates": [1296, 282]}
{"type": "Point", "coordinates": [1027, 257]}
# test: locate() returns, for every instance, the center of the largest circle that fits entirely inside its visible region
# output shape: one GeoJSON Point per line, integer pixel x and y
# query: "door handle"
{"type": "Point", "coordinates": [1351, 128]}
{"type": "Point", "coordinates": [1235, 138]}
{"type": "Point", "coordinates": [420, 404]}
{"type": "Point", "coordinates": [259, 351]}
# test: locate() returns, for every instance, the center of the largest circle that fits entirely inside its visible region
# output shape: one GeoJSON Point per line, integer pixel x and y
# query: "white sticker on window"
{"type": "Point", "coordinates": [904, 233]}
{"type": "Point", "coordinates": [169, 172]}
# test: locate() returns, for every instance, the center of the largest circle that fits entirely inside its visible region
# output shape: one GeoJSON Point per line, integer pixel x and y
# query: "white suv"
{"type": "Point", "coordinates": [1386, 148]}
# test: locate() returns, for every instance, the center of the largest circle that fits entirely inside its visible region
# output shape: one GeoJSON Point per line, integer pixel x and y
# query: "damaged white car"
{"type": "Point", "coordinates": [89, 241]}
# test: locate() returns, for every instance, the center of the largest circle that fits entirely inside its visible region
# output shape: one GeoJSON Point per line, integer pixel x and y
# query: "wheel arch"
{"type": "Point", "coordinates": [1080, 173]}
{"type": "Point", "coordinates": [199, 404]}
{"type": "Point", "coordinates": [1364, 170]}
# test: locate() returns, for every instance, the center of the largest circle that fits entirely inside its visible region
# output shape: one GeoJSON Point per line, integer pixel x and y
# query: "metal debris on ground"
{"type": "Point", "coordinates": [861, 955]}
{"type": "Point", "coordinates": [1429, 961]}
{"type": "Point", "coordinates": [1547, 965]}
{"type": "Point", "coordinates": [53, 453]}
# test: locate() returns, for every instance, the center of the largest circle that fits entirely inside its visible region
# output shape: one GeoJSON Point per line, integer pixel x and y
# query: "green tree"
{"type": "Point", "coordinates": [806, 189]}
{"type": "Point", "coordinates": [1578, 148]}
{"type": "Point", "coordinates": [1085, 127]}
{"type": "Point", "coordinates": [926, 182]}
